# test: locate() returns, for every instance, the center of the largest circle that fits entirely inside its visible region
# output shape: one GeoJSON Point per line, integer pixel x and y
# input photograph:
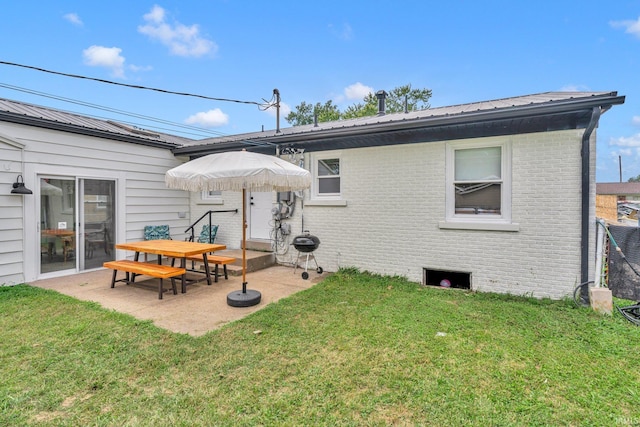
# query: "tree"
{"type": "Point", "coordinates": [303, 114]}
{"type": "Point", "coordinates": [416, 99]}
{"type": "Point", "coordinates": [635, 179]}
{"type": "Point", "coordinates": [369, 108]}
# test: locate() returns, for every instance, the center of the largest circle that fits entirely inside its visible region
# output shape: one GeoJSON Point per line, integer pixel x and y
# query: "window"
{"type": "Point", "coordinates": [327, 177]}
{"type": "Point", "coordinates": [102, 202]}
{"type": "Point", "coordinates": [478, 183]}
{"type": "Point", "coordinates": [212, 197]}
{"type": "Point", "coordinates": [326, 169]}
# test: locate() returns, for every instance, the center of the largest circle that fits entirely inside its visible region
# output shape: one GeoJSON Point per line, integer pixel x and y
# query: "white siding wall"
{"type": "Point", "coordinates": [139, 169]}
{"type": "Point", "coordinates": [396, 198]}
{"type": "Point", "coordinates": [11, 213]}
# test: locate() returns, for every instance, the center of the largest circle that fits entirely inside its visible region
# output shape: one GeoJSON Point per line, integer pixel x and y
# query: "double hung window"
{"type": "Point", "coordinates": [478, 182]}
{"type": "Point", "coordinates": [327, 177]}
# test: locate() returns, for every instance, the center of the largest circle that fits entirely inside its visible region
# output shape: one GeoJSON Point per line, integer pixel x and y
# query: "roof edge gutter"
{"type": "Point", "coordinates": [585, 152]}
{"type": "Point", "coordinates": [432, 121]}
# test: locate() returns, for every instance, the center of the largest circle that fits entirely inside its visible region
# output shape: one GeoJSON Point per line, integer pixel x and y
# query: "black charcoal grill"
{"type": "Point", "coordinates": [306, 244]}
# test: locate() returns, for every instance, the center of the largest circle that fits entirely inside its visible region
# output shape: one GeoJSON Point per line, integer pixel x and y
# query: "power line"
{"type": "Point", "coordinates": [260, 105]}
{"type": "Point", "coordinates": [206, 133]}
{"type": "Point", "coordinates": [203, 132]}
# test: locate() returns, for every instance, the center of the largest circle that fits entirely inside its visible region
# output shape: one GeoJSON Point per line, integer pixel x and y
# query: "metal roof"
{"type": "Point", "coordinates": [35, 115]}
{"type": "Point", "coordinates": [618, 188]}
{"type": "Point", "coordinates": [522, 114]}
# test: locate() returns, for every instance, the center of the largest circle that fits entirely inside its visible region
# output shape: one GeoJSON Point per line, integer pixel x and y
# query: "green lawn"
{"type": "Point", "coordinates": [356, 349]}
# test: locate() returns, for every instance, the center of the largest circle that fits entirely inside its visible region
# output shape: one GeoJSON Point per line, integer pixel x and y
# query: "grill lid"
{"type": "Point", "coordinates": [306, 242]}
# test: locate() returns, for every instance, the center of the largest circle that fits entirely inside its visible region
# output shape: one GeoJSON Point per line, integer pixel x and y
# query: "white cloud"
{"type": "Point", "coordinates": [635, 120]}
{"type": "Point", "coordinates": [74, 19]}
{"type": "Point", "coordinates": [156, 15]}
{"type": "Point", "coordinates": [107, 57]}
{"type": "Point", "coordinates": [344, 32]}
{"type": "Point", "coordinates": [211, 118]}
{"type": "Point", "coordinates": [630, 27]}
{"type": "Point", "coordinates": [357, 91]}
{"type": "Point", "coordinates": [181, 40]}
{"type": "Point", "coordinates": [631, 141]}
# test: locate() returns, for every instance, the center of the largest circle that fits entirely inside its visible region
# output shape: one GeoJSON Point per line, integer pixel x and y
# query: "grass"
{"type": "Point", "coordinates": [356, 349]}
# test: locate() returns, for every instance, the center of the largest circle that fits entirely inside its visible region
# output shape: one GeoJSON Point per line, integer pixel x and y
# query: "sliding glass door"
{"type": "Point", "coordinates": [98, 214]}
{"type": "Point", "coordinates": [76, 223]}
{"type": "Point", "coordinates": [57, 224]}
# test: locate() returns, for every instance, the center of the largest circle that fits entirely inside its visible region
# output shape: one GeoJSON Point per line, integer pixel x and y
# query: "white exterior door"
{"type": "Point", "coordinates": [259, 215]}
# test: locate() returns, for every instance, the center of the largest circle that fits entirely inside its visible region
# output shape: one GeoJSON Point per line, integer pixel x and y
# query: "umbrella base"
{"type": "Point", "coordinates": [248, 298]}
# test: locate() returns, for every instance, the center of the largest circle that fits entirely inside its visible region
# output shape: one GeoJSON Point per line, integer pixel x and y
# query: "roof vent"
{"type": "Point", "coordinates": [381, 95]}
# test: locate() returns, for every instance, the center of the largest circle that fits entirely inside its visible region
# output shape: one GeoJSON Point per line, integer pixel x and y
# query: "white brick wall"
{"type": "Point", "coordinates": [396, 198]}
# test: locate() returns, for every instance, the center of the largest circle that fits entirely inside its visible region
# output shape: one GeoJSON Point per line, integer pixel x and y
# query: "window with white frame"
{"type": "Point", "coordinates": [327, 177]}
{"type": "Point", "coordinates": [478, 182]}
{"type": "Point", "coordinates": [214, 197]}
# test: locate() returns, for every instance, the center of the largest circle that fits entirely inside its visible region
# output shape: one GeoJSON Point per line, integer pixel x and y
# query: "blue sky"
{"type": "Point", "coordinates": [464, 51]}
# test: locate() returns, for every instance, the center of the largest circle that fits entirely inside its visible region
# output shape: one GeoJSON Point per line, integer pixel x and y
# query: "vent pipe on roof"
{"type": "Point", "coordinates": [381, 95]}
{"type": "Point", "coordinates": [315, 118]}
{"type": "Point", "coordinates": [276, 93]}
{"type": "Point", "coordinates": [406, 104]}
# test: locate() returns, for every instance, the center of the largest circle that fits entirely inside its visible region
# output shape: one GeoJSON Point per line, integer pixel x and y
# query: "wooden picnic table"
{"type": "Point", "coordinates": [177, 249]}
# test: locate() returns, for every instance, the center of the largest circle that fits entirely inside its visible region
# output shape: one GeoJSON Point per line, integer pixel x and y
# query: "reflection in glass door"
{"type": "Point", "coordinates": [97, 225]}
{"type": "Point", "coordinates": [57, 224]}
{"type": "Point", "coordinates": [71, 240]}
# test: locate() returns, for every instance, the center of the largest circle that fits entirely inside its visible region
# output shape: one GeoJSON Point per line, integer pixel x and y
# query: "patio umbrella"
{"type": "Point", "coordinates": [239, 171]}
{"type": "Point", "coordinates": [47, 189]}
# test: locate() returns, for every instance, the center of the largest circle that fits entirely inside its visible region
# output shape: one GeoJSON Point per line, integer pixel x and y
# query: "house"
{"type": "Point", "coordinates": [624, 191]}
{"type": "Point", "coordinates": [618, 201]}
{"type": "Point", "coordinates": [94, 182]}
{"type": "Point", "coordinates": [475, 194]}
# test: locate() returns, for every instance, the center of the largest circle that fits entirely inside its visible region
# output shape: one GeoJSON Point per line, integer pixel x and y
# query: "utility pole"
{"type": "Point", "coordinates": [620, 166]}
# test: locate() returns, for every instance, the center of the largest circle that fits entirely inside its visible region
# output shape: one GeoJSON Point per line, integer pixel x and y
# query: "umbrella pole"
{"type": "Point", "coordinates": [250, 297]}
{"type": "Point", "coordinates": [244, 241]}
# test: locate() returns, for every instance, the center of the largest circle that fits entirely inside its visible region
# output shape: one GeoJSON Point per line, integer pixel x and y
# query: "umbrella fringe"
{"type": "Point", "coordinates": [253, 183]}
{"type": "Point", "coordinates": [237, 171]}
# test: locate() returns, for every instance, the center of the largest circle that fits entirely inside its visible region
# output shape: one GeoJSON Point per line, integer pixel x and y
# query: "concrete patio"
{"type": "Point", "coordinates": [203, 308]}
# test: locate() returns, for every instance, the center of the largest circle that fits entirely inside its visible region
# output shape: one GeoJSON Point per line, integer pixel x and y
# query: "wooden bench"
{"type": "Point", "coordinates": [217, 260]}
{"type": "Point", "coordinates": [147, 269]}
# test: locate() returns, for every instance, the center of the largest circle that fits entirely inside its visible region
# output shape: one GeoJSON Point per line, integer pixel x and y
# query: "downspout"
{"type": "Point", "coordinates": [586, 181]}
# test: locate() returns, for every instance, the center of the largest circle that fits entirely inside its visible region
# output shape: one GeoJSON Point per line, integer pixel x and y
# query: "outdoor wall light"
{"type": "Point", "coordinates": [19, 188]}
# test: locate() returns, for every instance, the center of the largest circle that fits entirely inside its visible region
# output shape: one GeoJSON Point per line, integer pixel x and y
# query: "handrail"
{"type": "Point", "coordinates": [208, 213]}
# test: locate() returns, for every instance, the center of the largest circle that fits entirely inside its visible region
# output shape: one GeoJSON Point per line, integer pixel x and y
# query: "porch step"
{"type": "Point", "coordinates": [256, 260]}
{"type": "Point", "coordinates": [258, 245]}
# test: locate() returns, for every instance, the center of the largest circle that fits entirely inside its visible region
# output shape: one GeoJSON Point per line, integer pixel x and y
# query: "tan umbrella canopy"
{"type": "Point", "coordinates": [239, 171]}
{"type": "Point", "coordinates": [47, 189]}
